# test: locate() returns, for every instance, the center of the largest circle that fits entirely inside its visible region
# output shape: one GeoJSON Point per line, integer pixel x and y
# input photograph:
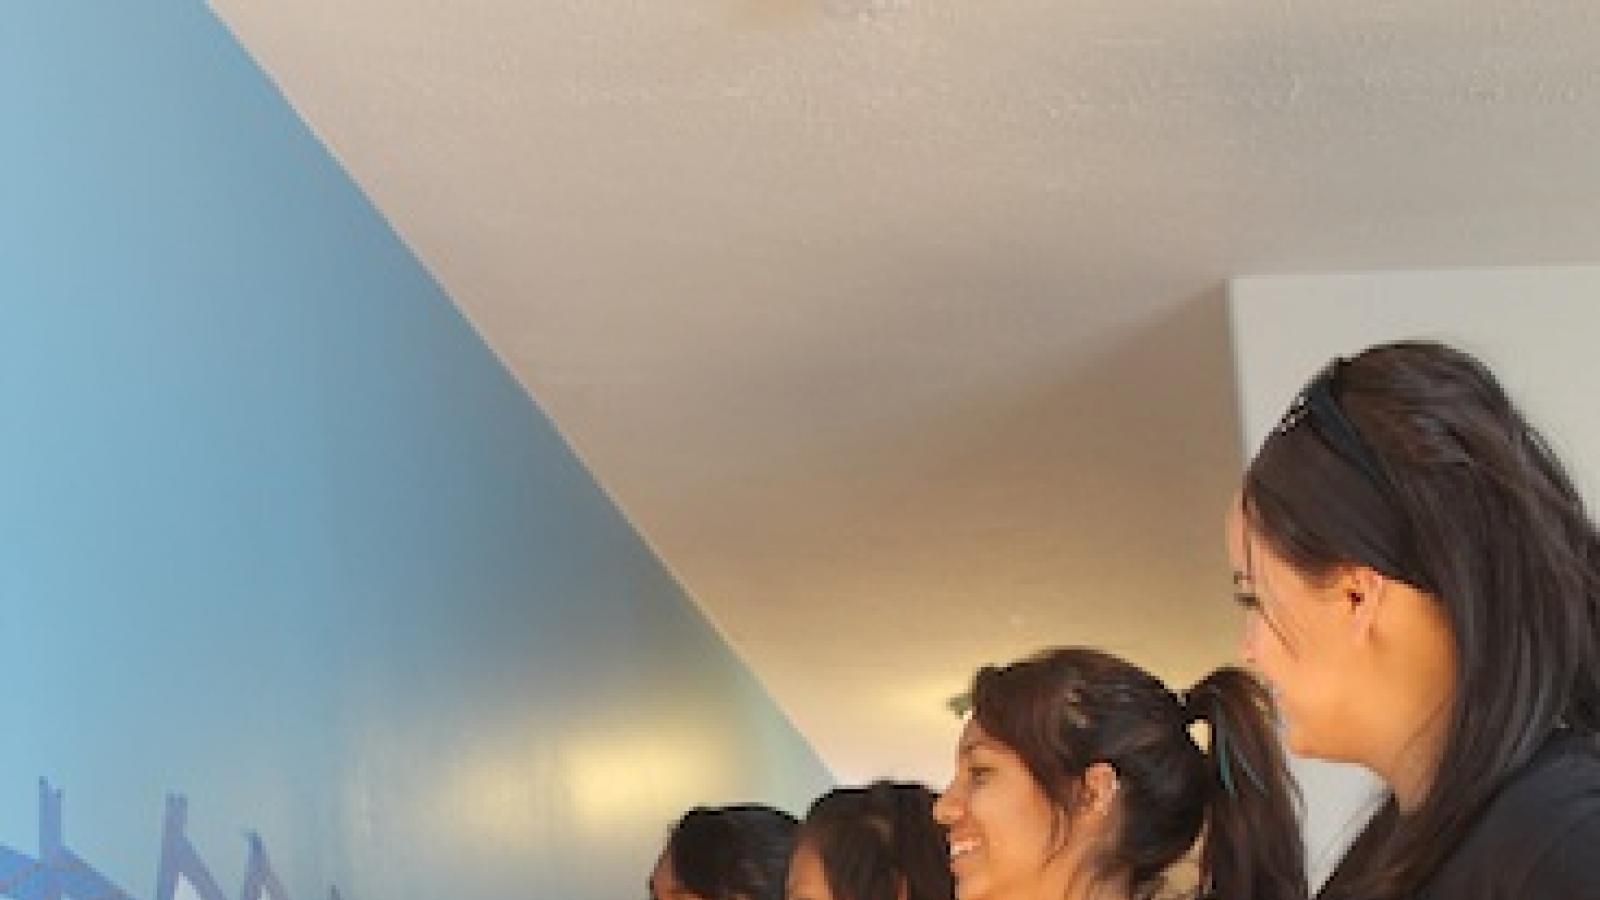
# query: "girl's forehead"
{"type": "Point", "coordinates": [973, 737]}
{"type": "Point", "coordinates": [972, 732]}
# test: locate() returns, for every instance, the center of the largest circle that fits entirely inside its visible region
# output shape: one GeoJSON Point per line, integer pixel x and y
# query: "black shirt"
{"type": "Point", "coordinates": [1538, 839]}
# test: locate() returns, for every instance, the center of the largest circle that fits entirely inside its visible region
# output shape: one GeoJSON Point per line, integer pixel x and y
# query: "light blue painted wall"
{"type": "Point", "coordinates": [278, 532]}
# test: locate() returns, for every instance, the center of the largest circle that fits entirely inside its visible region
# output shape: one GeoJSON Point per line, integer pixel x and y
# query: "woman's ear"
{"type": "Point", "coordinates": [1366, 591]}
{"type": "Point", "coordinates": [1100, 785]}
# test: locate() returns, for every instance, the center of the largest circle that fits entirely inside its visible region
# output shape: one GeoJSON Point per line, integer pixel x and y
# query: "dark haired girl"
{"type": "Point", "coordinates": [727, 853]}
{"type": "Point", "coordinates": [1077, 777]}
{"type": "Point", "coordinates": [873, 843]}
{"type": "Point", "coordinates": [1424, 590]}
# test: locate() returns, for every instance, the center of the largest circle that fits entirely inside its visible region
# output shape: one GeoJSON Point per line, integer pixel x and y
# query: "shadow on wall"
{"type": "Point", "coordinates": [1109, 471]}
{"type": "Point", "coordinates": [181, 874]}
{"type": "Point", "coordinates": [1134, 448]}
{"type": "Point", "coordinates": [1146, 424]}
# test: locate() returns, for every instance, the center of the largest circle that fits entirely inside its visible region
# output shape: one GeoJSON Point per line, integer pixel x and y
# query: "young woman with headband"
{"type": "Point", "coordinates": [1423, 585]}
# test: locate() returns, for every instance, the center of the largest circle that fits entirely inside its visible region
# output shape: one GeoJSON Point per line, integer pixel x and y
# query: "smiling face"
{"type": "Point", "coordinates": [1005, 833]}
{"type": "Point", "coordinates": [1300, 637]}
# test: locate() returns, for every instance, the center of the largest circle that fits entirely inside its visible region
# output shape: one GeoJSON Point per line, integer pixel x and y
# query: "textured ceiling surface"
{"type": "Point", "coordinates": [897, 326]}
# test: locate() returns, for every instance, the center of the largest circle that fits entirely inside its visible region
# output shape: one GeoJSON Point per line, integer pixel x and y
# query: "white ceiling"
{"type": "Point", "coordinates": [897, 326]}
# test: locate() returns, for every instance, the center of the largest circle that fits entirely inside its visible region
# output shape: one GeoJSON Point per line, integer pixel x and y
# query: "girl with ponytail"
{"type": "Point", "coordinates": [1080, 776]}
{"type": "Point", "coordinates": [873, 843]}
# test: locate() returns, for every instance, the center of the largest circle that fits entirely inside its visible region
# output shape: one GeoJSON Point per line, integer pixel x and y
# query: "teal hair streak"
{"type": "Point", "coordinates": [1220, 746]}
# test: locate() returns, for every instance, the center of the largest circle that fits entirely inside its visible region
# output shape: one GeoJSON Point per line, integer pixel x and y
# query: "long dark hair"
{"type": "Point", "coordinates": [880, 839]}
{"type": "Point", "coordinates": [1440, 482]}
{"type": "Point", "coordinates": [1066, 709]}
{"type": "Point", "coordinates": [730, 852]}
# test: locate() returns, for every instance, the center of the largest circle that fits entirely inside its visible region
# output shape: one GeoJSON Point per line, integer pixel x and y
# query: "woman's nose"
{"type": "Point", "coordinates": [946, 809]}
{"type": "Point", "coordinates": [1247, 641]}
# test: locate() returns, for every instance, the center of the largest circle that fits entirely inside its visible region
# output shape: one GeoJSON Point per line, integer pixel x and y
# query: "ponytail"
{"type": "Point", "coordinates": [1252, 848]}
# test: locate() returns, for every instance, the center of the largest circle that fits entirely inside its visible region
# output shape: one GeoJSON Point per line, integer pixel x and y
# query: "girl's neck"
{"type": "Point", "coordinates": [1412, 766]}
{"type": "Point", "coordinates": [1086, 888]}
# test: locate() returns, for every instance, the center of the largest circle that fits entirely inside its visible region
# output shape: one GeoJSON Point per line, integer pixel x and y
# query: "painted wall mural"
{"type": "Point", "coordinates": [278, 530]}
{"type": "Point", "coordinates": [59, 873]}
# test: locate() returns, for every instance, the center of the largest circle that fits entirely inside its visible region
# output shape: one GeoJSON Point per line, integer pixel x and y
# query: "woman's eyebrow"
{"type": "Point", "coordinates": [966, 747]}
{"type": "Point", "coordinates": [1249, 563]}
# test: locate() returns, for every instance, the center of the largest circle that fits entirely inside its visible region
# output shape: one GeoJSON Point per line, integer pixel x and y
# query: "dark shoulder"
{"type": "Point", "coordinates": [1569, 868]}
{"type": "Point", "coordinates": [1539, 836]}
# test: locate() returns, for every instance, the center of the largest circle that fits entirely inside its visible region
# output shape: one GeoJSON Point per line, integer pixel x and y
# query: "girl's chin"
{"type": "Point", "coordinates": [1295, 740]}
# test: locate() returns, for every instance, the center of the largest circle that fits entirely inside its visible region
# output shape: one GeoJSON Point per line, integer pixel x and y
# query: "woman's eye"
{"type": "Point", "coordinates": [980, 774]}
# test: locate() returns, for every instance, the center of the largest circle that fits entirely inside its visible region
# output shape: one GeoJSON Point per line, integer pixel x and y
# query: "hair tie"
{"type": "Point", "coordinates": [1194, 707]}
{"type": "Point", "coordinates": [1190, 710]}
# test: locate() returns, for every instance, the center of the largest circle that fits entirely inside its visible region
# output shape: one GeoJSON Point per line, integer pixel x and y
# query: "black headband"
{"type": "Point", "coordinates": [1318, 406]}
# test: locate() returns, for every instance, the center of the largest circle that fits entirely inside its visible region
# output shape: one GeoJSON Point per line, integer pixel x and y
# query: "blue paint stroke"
{"type": "Point", "coordinates": [60, 874]}
{"type": "Point", "coordinates": [259, 879]}
{"type": "Point", "coordinates": [178, 857]}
